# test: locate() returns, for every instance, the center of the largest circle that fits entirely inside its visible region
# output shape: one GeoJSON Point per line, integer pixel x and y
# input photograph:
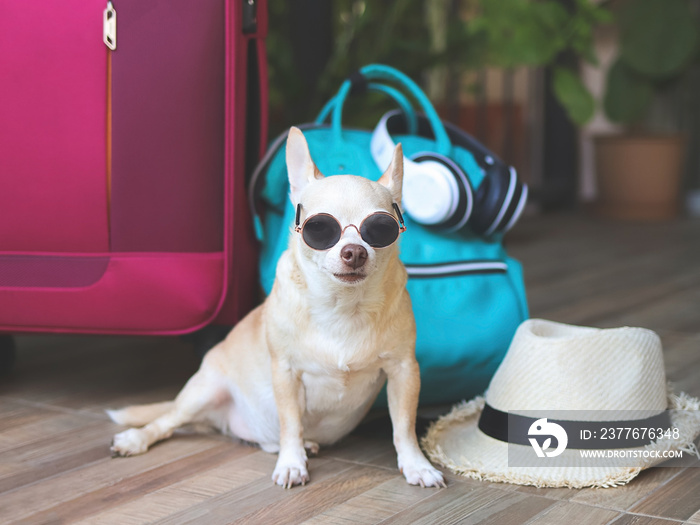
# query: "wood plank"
{"type": "Point", "coordinates": [94, 475]}
{"type": "Point", "coordinates": [682, 361]}
{"type": "Point", "coordinates": [42, 423]}
{"type": "Point", "coordinates": [15, 413]}
{"type": "Point", "coordinates": [550, 493]}
{"type": "Point", "coordinates": [452, 505]}
{"type": "Point", "coordinates": [633, 519]}
{"type": "Point", "coordinates": [263, 496]}
{"type": "Point", "coordinates": [603, 307]}
{"type": "Point", "coordinates": [577, 273]}
{"type": "Point", "coordinates": [566, 512]}
{"type": "Point", "coordinates": [320, 497]}
{"type": "Point", "coordinates": [364, 449]}
{"type": "Point", "coordinates": [374, 505]}
{"type": "Point", "coordinates": [135, 487]}
{"type": "Point", "coordinates": [80, 375]}
{"type": "Point", "coordinates": [623, 497]}
{"type": "Point", "coordinates": [34, 461]}
{"type": "Point", "coordinates": [675, 310]}
{"type": "Point", "coordinates": [511, 510]}
{"type": "Point", "coordinates": [678, 499]}
{"type": "Point", "coordinates": [190, 489]}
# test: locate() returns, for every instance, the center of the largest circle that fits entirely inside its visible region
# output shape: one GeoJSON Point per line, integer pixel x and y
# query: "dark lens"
{"type": "Point", "coordinates": [321, 232]}
{"type": "Point", "coordinates": [379, 230]}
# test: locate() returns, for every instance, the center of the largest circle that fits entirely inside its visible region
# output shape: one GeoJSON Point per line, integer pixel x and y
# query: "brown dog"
{"type": "Point", "coordinates": [304, 368]}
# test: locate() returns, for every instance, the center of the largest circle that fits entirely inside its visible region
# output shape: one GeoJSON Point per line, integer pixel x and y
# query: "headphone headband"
{"type": "Point", "coordinates": [382, 145]}
{"type": "Point", "coordinates": [499, 201]}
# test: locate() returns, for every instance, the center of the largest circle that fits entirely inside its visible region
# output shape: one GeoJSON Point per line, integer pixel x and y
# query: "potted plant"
{"type": "Point", "coordinates": [639, 171]}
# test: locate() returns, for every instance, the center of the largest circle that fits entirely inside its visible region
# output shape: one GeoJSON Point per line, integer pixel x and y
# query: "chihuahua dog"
{"type": "Point", "coordinates": [303, 368]}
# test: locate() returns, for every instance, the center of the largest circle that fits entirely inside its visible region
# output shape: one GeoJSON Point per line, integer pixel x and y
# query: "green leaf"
{"type": "Point", "coordinates": [573, 95]}
{"type": "Point", "coordinates": [658, 37]}
{"type": "Point", "coordinates": [628, 94]}
{"type": "Point", "coordinates": [520, 32]}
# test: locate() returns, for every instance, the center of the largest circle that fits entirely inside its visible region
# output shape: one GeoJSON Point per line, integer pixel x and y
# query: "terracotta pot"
{"type": "Point", "coordinates": [639, 176]}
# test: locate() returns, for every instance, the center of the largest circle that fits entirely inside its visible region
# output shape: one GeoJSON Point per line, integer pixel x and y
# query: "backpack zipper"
{"type": "Point", "coordinates": [456, 268]}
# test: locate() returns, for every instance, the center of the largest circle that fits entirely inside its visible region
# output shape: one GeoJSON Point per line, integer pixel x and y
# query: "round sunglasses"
{"type": "Point", "coordinates": [322, 231]}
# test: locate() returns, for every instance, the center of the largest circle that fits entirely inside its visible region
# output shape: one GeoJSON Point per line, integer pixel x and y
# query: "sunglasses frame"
{"type": "Point", "coordinates": [399, 221]}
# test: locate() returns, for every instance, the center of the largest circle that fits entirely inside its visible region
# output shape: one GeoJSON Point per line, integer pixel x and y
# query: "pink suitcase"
{"type": "Point", "coordinates": [122, 171]}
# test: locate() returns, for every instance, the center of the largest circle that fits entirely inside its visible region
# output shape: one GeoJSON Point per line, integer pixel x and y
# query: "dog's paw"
{"type": "Point", "coordinates": [423, 473]}
{"type": "Point", "coordinates": [311, 447]}
{"type": "Point", "coordinates": [129, 443]}
{"type": "Point", "coordinates": [426, 477]}
{"type": "Point", "coordinates": [290, 473]}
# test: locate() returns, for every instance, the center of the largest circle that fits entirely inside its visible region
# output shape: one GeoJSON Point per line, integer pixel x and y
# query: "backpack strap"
{"type": "Point", "coordinates": [395, 94]}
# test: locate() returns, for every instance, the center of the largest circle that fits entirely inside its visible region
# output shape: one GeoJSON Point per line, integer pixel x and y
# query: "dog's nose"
{"type": "Point", "coordinates": [354, 255]}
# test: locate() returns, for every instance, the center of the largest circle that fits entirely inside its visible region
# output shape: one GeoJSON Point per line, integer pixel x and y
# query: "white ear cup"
{"type": "Point", "coordinates": [430, 192]}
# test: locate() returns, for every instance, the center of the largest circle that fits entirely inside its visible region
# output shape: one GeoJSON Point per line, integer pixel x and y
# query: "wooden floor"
{"type": "Point", "coordinates": [55, 465]}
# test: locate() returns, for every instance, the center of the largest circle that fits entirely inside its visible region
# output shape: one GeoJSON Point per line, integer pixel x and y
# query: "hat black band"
{"type": "Point", "coordinates": [633, 433]}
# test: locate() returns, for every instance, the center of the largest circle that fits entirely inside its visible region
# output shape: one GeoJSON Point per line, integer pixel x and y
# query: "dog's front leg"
{"type": "Point", "coordinates": [289, 395]}
{"type": "Point", "coordinates": [403, 388]}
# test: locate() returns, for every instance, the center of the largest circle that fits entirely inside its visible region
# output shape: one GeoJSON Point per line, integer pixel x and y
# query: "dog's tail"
{"type": "Point", "coordinates": [140, 415]}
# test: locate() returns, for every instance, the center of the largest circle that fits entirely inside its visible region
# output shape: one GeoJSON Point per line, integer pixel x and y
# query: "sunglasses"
{"type": "Point", "coordinates": [322, 231]}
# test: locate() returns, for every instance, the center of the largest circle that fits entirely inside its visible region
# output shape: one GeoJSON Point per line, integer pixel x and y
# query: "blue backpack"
{"type": "Point", "coordinates": [468, 295]}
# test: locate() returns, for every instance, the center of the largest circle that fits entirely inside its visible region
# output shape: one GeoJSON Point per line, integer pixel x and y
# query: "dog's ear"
{"type": "Point", "coordinates": [392, 179]}
{"type": "Point", "coordinates": [300, 166]}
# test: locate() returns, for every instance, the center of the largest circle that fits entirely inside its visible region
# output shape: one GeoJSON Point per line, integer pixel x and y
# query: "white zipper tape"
{"type": "Point", "coordinates": [456, 268]}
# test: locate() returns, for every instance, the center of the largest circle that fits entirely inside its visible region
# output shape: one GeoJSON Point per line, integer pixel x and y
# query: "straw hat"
{"type": "Point", "coordinates": [589, 382]}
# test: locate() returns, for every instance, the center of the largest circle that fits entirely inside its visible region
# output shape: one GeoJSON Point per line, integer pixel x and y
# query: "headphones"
{"type": "Point", "coordinates": [438, 193]}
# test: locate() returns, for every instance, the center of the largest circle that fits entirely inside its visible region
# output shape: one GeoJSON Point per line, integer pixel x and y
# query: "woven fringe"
{"type": "Point", "coordinates": [691, 449]}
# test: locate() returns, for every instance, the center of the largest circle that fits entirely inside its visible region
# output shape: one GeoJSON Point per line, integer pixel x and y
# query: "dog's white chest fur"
{"type": "Point", "coordinates": [340, 366]}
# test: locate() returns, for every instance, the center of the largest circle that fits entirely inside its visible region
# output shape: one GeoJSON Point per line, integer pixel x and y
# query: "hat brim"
{"type": "Point", "coordinates": [455, 442]}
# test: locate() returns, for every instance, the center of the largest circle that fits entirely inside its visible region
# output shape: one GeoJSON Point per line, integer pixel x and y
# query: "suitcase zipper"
{"type": "Point", "coordinates": [109, 37]}
{"type": "Point", "coordinates": [109, 27]}
{"type": "Point", "coordinates": [250, 17]}
{"type": "Point", "coordinates": [452, 269]}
